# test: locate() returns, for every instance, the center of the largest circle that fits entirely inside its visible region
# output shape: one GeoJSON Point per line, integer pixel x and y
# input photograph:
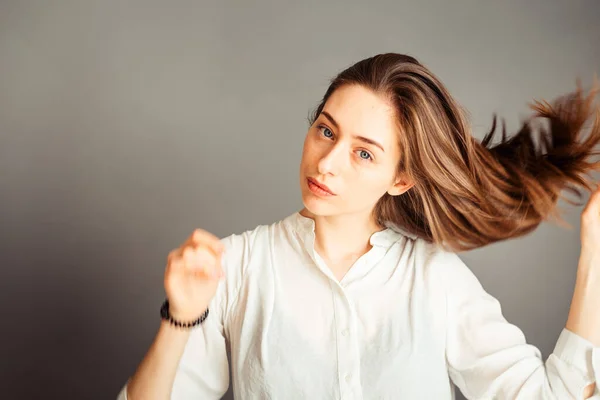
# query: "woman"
{"type": "Point", "coordinates": [359, 295]}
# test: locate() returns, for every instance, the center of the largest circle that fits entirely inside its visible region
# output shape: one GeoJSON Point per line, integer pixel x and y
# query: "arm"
{"type": "Point", "coordinates": [156, 373]}
{"type": "Point", "coordinates": [182, 364]}
{"type": "Point", "coordinates": [584, 314]}
{"type": "Point", "coordinates": [488, 357]}
{"type": "Point", "coordinates": [187, 364]}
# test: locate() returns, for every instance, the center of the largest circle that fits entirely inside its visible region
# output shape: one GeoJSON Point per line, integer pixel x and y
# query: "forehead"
{"type": "Point", "coordinates": [359, 111]}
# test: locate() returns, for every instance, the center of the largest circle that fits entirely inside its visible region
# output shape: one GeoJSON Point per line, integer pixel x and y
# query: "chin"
{"type": "Point", "coordinates": [317, 206]}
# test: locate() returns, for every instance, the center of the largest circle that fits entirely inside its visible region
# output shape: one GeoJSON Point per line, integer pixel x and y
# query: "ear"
{"type": "Point", "coordinates": [400, 186]}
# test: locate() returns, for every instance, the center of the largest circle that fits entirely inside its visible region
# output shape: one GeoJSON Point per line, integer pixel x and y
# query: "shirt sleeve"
{"type": "Point", "coordinates": [489, 358]}
{"type": "Point", "coordinates": [203, 371]}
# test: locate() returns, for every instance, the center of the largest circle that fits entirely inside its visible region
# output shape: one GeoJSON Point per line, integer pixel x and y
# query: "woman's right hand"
{"type": "Point", "coordinates": [192, 275]}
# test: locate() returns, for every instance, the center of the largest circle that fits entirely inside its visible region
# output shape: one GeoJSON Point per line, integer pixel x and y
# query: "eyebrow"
{"type": "Point", "coordinates": [361, 138]}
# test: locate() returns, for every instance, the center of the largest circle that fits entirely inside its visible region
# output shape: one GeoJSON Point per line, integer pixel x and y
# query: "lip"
{"type": "Point", "coordinates": [321, 186]}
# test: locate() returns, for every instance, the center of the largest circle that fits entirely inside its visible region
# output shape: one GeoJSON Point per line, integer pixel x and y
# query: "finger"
{"type": "Point", "coordinates": [175, 265]}
{"type": "Point", "coordinates": [208, 276]}
{"type": "Point", "coordinates": [173, 254]}
{"type": "Point", "coordinates": [200, 236]}
{"type": "Point", "coordinates": [593, 204]}
{"type": "Point", "coordinates": [189, 259]}
{"type": "Point", "coordinates": [202, 261]}
{"type": "Point", "coordinates": [208, 260]}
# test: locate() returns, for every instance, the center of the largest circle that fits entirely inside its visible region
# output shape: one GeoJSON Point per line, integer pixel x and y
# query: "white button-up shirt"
{"type": "Point", "coordinates": [406, 321]}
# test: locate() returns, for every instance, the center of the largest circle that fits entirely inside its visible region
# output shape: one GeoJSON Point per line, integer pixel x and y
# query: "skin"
{"type": "Point", "coordinates": [358, 172]}
{"type": "Point", "coordinates": [584, 318]}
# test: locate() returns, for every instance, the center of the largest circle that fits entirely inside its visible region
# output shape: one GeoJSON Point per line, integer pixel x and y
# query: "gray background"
{"type": "Point", "coordinates": [126, 124]}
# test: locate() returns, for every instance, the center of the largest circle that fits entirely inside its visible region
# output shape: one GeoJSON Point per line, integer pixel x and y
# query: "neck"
{"type": "Point", "coordinates": [342, 236]}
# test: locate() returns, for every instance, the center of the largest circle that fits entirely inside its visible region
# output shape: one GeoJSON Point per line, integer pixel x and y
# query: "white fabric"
{"type": "Point", "coordinates": [406, 321]}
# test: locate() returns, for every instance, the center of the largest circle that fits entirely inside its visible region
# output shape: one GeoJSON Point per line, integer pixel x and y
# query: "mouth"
{"type": "Point", "coordinates": [319, 188]}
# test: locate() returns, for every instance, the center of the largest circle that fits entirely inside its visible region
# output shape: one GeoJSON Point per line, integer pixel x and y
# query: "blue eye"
{"type": "Point", "coordinates": [326, 132]}
{"type": "Point", "coordinates": [325, 129]}
{"type": "Point", "coordinates": [364, 155]}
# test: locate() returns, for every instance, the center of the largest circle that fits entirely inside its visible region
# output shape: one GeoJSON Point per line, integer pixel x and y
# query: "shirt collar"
{"type": "Point", "coordinates": [305, 227]}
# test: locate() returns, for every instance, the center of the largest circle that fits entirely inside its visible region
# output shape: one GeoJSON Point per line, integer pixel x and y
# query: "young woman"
{"type": "Point", "coordinates": [360, 295]}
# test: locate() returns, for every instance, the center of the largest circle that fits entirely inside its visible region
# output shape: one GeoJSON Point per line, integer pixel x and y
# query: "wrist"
{"type": "Point", "coordinates": [589, 266]}
{"type": "Point", "coordinates": [185, 316]}
{"type": "Point", "coordinates": [181, 320]}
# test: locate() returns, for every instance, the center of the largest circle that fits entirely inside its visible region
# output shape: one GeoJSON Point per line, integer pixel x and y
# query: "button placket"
{"type": "Point", "coordinates": [348, 357]}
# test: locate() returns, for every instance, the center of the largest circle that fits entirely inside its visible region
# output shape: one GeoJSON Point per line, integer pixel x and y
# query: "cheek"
{"type": "Point", "coordinates": [309, 152]}
{"type": "Point", "coordinates": [371, 185]}
{"type": "Point", "coordinates": [375, 186]}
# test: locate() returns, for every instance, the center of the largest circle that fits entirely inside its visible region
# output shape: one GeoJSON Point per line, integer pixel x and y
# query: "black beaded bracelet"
{"type": "Point", "coordinates": [164, 314]}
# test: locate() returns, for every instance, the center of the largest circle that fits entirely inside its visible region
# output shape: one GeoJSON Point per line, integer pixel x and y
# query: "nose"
{"type": "Point", "coordinates": [330, 162]}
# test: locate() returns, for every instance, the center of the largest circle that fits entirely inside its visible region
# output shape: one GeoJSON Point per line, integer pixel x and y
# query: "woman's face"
{"type": "Point", "coordinates": [352, 149]}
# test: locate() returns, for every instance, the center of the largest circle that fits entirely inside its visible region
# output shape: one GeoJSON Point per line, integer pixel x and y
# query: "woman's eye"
{"type": "Point", "coordinates": [326, 132]}
{"type": "Point", "coordinates": [365, 155]}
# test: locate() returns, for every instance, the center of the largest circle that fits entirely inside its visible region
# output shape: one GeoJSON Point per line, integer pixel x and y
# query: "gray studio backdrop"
{"type": "Point", "coordinates": [126, 124]}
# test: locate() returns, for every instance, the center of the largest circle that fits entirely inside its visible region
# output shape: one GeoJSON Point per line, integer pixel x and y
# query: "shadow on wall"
{"type": "Point", "coordinates": [65, 313]}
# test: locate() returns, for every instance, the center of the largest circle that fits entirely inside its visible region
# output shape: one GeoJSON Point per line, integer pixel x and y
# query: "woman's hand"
{"type": "Point", "coordinates": [192, 275]}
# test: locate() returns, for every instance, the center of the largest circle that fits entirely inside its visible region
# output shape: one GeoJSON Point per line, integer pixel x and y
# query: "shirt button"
{"type": "Point", "coordinates": [348, 378]}
{"type": "Point", "coordinates": [345, 332]}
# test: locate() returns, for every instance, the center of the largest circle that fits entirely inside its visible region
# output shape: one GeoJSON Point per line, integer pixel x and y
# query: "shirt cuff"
{"type": "Point", "coordinates": [123, 393]}
{"type": "Point", "coordinates": [579, 353]}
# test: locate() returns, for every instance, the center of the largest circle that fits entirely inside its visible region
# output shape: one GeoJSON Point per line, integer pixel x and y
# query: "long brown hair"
{"type": "Point", "coordinates": [466, 193]}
